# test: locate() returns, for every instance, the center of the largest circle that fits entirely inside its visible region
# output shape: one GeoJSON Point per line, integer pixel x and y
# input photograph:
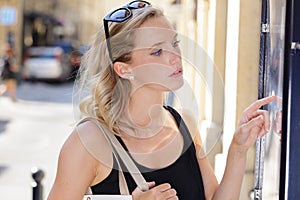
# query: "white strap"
{"type": "Point", "coordinates": [133, 170]}
{"type": "Point", "coordinates": [122, 181]}
{"type": "Point", "coordinates": [89, 191]}
{"type": "Point", "coordinates": [119, 152]}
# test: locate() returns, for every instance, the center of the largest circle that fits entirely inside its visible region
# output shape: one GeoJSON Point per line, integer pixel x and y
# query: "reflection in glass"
{"type": "Point", "coordinates": [274, 80]}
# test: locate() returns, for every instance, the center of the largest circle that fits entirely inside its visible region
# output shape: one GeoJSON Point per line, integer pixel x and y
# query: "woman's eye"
{"type": "Point", "coordinates": [175, 43]}
{"type": "Point", "coordinates": [157, 53]}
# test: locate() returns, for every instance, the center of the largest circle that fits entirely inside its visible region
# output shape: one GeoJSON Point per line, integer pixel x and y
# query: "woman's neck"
{"type": "Point", "coordinates": [146, 112]}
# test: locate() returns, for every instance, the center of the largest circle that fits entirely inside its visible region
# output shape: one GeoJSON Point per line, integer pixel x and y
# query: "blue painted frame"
{"type": "Point", "coordinates": [290, 164]}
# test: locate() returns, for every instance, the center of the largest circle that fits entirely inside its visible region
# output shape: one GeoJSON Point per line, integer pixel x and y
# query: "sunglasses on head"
{"type": "Point", "coordinates": [120, 15]}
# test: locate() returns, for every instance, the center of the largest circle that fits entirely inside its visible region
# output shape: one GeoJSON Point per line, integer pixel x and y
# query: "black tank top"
{"type": "Point", "coordinates": [183, 175]}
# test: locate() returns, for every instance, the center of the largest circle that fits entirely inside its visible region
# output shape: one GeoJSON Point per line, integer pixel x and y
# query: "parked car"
{"type": "Point", "coordinates": [49, 63]}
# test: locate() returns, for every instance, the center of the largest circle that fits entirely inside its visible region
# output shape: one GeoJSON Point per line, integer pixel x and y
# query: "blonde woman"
{"type": "Point", "coordinates": [133, 61]}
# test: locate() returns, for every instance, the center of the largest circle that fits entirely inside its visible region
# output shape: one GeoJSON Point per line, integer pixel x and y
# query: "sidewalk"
{"type": "Point", "coordinates": [31, 134]}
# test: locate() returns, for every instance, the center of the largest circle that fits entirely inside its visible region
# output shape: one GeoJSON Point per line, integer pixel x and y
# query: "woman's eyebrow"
{"type": "Point", "coordinates": [159, 43]}
{"type": "Point", "coordinates": [156, 44]}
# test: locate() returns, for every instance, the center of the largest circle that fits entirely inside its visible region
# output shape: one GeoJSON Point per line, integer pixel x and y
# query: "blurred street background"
{"type": "Point", "coordinates": [32, 131]}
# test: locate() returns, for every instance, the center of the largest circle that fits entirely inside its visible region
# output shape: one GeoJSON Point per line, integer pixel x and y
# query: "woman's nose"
{"type": "Point", "coordinates": [175, 58]}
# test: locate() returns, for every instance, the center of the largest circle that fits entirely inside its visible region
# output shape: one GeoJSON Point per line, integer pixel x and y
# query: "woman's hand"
{"type": "Point", "coordinates": [254, 124]}
{"type": "Point", "coordinates": [163, 191]}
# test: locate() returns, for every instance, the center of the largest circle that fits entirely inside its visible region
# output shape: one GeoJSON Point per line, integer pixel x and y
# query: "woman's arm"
{"type": "Point", "coordinates": [254, 124]}
{"type": "Point", "coordinates": [76, 171]}
{"type": "Point", "coordinates": [85, 160]}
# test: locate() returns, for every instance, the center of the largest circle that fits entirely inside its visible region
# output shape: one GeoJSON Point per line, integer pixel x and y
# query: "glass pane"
{"type": "Point", "coordinates": [274, 80]}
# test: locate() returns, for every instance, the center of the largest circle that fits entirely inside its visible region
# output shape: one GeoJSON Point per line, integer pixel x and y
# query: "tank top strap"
{"type": "Point", "coordinates": [183, 129]}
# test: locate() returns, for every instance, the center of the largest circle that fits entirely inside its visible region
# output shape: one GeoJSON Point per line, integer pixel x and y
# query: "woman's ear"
{"type": "Point", "coordinates": [123, 70]}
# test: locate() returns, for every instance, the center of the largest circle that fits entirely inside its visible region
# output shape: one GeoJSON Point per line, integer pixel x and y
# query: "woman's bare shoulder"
{"type": "Point", "coordinates": [78, 165]}
{"type": "Point", "coordinates": [87, 138]}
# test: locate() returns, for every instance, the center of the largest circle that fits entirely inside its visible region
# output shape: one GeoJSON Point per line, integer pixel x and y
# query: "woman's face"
{"type": "Point", "coordinates": [156, 60]}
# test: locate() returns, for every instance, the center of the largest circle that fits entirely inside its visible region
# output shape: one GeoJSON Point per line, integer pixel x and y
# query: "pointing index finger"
{"type": "Point", "coordinates": [261, 102]}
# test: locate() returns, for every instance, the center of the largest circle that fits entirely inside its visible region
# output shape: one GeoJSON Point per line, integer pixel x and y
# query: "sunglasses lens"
{"type": "Point", "coordinates": [120, 15]}
{"type": "Point", "coordinates": [138, 4]}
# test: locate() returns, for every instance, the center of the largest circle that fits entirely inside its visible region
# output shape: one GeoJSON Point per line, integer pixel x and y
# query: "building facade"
{"type": "Point", "coordinates": [11, 18]}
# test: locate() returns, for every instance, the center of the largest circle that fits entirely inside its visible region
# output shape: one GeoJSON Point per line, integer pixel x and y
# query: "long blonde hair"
{"type": "Point", "coordinates": [108, 95]}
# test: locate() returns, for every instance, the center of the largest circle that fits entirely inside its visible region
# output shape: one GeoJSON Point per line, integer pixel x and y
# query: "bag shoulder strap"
{"type": "Point", "coordinates": [119, 152]}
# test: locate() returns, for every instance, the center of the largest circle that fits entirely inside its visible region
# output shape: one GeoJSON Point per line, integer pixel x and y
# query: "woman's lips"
{"type": "Point", "coordinates": [178, 73]}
